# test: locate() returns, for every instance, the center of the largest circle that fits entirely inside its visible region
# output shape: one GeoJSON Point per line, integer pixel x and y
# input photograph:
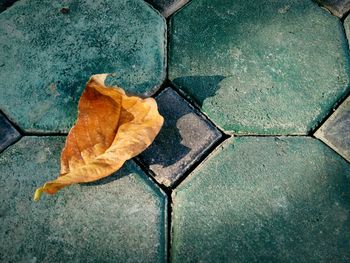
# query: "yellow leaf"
{"type": "Point", "coordinates": [111, 128]}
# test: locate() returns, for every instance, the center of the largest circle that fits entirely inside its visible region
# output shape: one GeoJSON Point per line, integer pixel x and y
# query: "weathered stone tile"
{"type": "Point", "coordinates": [260, 67]}
{"type": "Point", "coordinates": [263, 199]}
{"type": "Point", "coordinates": [167, 7]}
{"type": "Point", "coordinates": [50, 49]}
{"type": "Point", "coordinates": [8, 133]}
{"type": "Point", "coordinates": [336, 7]}
{"type": "Point", "coordinates": [184, 138]}
{"type": "Point", "coordinates": [121, 218]}
{"type": "Point", "coordinates": [336, 130]}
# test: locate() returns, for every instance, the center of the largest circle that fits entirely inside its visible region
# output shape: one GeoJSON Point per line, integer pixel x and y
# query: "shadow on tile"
{"type": "Point", "coordinates": [171, 138]}
{"type": "Point", "coordinates": [106, 180]}
{"type": "Point", "coordinates": [209, 83]}
{"type": "Point", "coordinates": [185, 136]}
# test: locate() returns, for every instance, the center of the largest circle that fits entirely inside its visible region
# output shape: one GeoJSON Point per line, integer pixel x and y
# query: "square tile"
{"type": "Point", "coordinates": [264, 199]}
{"type": "Point", "coordinates": [335, 132]}
{"type": "Point", "coordinates": [182, 141]}
{"type": "Point", "coordinates": [8, 133]}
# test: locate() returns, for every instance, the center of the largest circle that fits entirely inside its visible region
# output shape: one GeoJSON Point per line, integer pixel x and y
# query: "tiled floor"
{"type": "Point", "coordinates": [252, 164]}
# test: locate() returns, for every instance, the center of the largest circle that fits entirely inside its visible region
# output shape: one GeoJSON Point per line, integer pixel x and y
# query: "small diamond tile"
{"type": "Point", "coordinates": [121, 218]}
{"type": "Point", "coordinates": [167, 7]}
{"type": "Point", "coordinates": [335, 132]}
{"type": "Point", "coordinates": [4, 4]}
{"type": "Point", "coordinates": [336, 7]}
{"type": "Point", "coordinates": [184, 138]}
{"type": "Point", "coordinates": [8, 133]}
{"type": "Point", "coordinates": [264, 199]}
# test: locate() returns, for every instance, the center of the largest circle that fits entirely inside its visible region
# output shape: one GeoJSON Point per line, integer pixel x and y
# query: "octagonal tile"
{"type": "Point", "coordinates": [260, 67]}
{"type": "Point", "coordinates": [4, 4]}
{"type": "Point", "coordinates": [265, 199]}
{"type": "Point", "coordinates": [121, 218]}
{"type": "Point", "coordinates": [50, 49]}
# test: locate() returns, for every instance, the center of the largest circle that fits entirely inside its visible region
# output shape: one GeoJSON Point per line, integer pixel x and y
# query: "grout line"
{"type": "Point", "coordinates": [346, 94]}
{"type": "Point", "coordinates": [32, 133]}
{"type": "Point", "coordinates": [328, 10]}
{"type": "Point", "coordinates": [168, 192]}
{"type": "Point", "coordinates": [192, 103]}
{"type": "Point", "coordinates": [8, 5]}
{"type": "Point", "coordinates": [200, 160]}
{"type": "Point", "coordinates": [344, 16]}
{"type": "Point", "coordinates": [151, 175]}
{"type": "Point", "coordinates": [167, 39]}
{"type": "Point", "coordinates": [270, 135]}
{"type": "Point", "coordinates": [332, 149]}
{"type": "Point", "coordinates": [12, 143]}
{"type": "Point", "coordinates": [178, 9]}
{"type": "Point", "coordinates": [331, 112]}
{"type": "Point", "coordinates": [165, 60]}
{"type": "Point", "coordinates": [162, 87]}
{"type": "Point", "coordinates": [195, 105]}
{"type": "Point", "coordinates": [43, 134]}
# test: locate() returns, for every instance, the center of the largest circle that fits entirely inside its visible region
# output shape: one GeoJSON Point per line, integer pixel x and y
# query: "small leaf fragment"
{"type": "Point", "coordinates": [111, 128]}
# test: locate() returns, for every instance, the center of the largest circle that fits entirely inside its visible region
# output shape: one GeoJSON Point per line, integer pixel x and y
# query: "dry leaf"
{"type": "Point", "coordinates": [111, 128]}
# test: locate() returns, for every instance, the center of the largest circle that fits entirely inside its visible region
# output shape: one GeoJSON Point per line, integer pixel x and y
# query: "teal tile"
{"type": "Point", "coordinates": [264, 199]}
{"type": "Point", "coordinates": [259, 67]}
{"type": "Point", "coordinates": [335, 132]}
{"type": "Point", "coordinates": [50, 49]}
{"type": "Point", "coordinates": [336, 7]}
{"type": "Point", "coordinates": [121, 218]}
{"type": "Point", "coordinates": [186, 136]}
